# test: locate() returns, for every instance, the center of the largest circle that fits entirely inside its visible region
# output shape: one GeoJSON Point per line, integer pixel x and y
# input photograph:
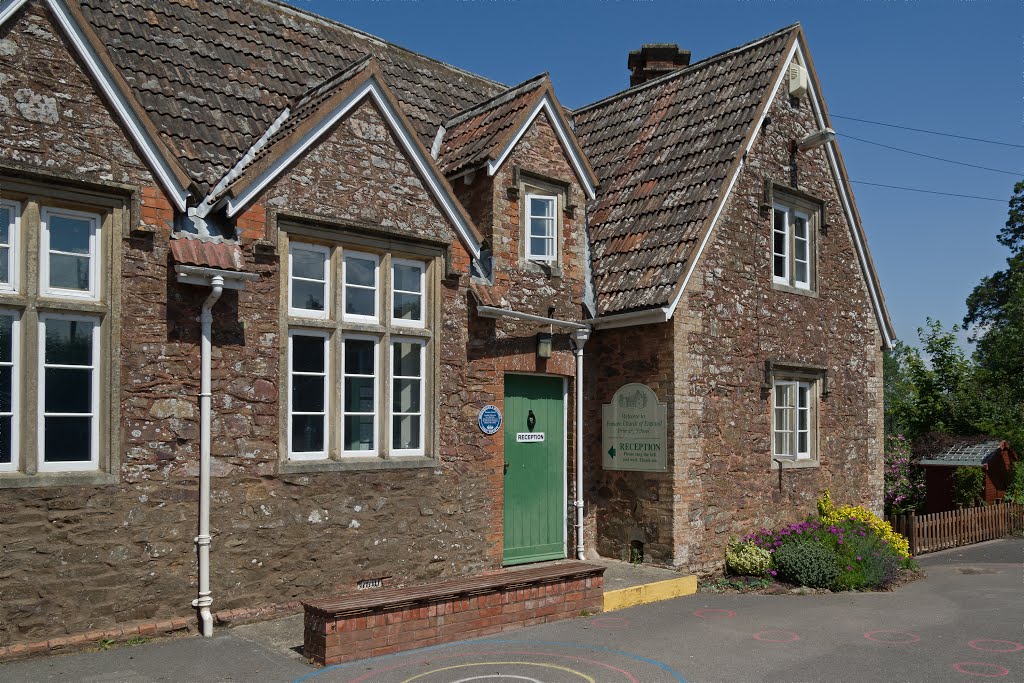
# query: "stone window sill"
{"type": "Point", "coordinates": [18, 480]}
{"type": "Point", "coordinates": [812, 293]}
{"type": "Point", "coordinates": [355, 464]}
{"type": "Point", "coordinates": [795, 464]}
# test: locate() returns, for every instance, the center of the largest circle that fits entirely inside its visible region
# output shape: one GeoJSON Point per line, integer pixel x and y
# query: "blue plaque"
{"type": "Point", "coordinates": [489, 419]}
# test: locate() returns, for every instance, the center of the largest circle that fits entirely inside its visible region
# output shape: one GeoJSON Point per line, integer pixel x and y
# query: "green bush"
{"type": "Point", "coordinates": [746, 559]}
{"type": "Point", "coordinates": [1015, 491]}
{"type": "Point", "coordinates": [866, 560]}
{"type": "Point", "coordinates": [806, 564]}
{"type": "Point", "coordinates": [968, 486]}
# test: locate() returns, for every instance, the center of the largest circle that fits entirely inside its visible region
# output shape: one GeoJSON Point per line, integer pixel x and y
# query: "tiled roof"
{"type": "Point", "coordinates": [470, 136]}
{"type": "Point", "coordinates": [964, 455]}
{"type": "Point", "coordinates": [194, 252]}
{"type": "Point", "coordinates": [213, 75]}
{"type": "Point", "coordinates": [663, 153]}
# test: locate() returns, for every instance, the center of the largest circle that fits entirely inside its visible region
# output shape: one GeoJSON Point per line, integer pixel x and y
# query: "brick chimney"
{"type": "Point", "coordinates": [655, 59]}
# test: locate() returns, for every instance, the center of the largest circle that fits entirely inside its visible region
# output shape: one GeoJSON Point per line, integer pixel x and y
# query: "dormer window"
{"type": "Point", "coordinates": [542, 222]}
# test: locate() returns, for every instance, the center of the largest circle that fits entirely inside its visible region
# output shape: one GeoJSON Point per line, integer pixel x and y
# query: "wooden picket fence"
{"type": "Point", "coordinates": [941, 530]}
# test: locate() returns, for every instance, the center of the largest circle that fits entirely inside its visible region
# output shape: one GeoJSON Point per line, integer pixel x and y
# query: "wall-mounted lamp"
{"type": "Point", "coordinates": [814, 140]}
{"type": "Point", "coordinates": [544, 345]}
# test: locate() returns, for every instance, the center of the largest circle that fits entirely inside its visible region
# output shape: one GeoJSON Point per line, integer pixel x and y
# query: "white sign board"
{"type": "Point", "coordinates": [529, 437]}
{"type": "Point", "coordinates": [633, 431]}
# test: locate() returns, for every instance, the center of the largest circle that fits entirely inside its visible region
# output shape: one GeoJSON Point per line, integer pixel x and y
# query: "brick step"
{"type": "Point", "coordinates": [349, 627]}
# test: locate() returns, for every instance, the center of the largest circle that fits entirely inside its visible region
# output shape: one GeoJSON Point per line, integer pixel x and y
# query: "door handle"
{"type": "Point", "coordinates": [506, 468]}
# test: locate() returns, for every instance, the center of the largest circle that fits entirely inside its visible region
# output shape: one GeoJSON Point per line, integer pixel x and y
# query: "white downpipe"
{"type": "Point", "coordinates": [204, 601]}
{"type": "Point", "coordinates": [580, 338]}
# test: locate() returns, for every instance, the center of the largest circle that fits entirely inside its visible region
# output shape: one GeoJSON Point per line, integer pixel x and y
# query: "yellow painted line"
{"type": "Point", "coordinates": [649, 592]}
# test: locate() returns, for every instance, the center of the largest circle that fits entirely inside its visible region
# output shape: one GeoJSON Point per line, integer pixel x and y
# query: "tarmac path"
{"type": "Point", "coordinates": [965, 622]}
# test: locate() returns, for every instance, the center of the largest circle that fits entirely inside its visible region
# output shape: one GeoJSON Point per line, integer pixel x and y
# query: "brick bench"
{"type": "Point", "coordinates": [381, 622]}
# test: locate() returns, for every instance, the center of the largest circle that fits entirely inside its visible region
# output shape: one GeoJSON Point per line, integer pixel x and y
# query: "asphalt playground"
{"type": "Point", "coordinates": [964, 622]}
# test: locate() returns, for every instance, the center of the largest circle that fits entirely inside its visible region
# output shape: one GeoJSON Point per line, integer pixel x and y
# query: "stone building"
{"type": "Point", "coordinates": [235, 229]}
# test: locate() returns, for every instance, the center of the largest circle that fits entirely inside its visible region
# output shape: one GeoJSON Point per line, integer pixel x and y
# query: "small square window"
{"type": "Point", "coordinates": [309, 271]}
{"type": "Point", "coordinates": [69, 247]}
{"type": "Point", "coordinates": [360, 273]}
{"type": "Point", "coordinates": [407, 280]}
{"type": "Point", "coordinates": [542, 227]}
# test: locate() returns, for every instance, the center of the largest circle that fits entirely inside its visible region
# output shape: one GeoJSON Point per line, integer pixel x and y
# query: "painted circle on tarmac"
{"type": "Point", "coordinates": [892, 637]}
{"type": "Point", "coordinates": [610, 622]}
{"type": "Point", "coordinates": [714, 613]}
{"type": "Point", "coordinates": [776, 636]}
{"type": "Point", "coordinates": [972, 669]}
{"type": "Point", "coordinates": [1012, 646]}
{"type": "Point", "coordinates": [502, 661]}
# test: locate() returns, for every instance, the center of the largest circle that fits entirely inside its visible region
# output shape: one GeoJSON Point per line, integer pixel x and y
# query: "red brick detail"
{"type": "Point", "coordinates": [252, 223]}
{"type": "Point", "coordinates": [91, 639]}
{"type": "Point", "coordinates": [428, 622]}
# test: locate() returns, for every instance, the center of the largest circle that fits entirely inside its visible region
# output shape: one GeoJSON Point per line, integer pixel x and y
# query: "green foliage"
{"type": "Point", "coordinates": [746, 559]}
{"type": "Point", "coordinates": [968, 486]}
{"type": "Point", "coordinates": [741, 583]}
{"type": "Point", "coordinates": [1015, 490]}
{"type": "Point", "coordinates": [866, 559]}
{"type": "Point", "coordinates": [806, 564]}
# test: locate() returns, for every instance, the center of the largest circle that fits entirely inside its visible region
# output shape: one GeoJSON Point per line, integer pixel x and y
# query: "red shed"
{"type": "Point", "coordinates": [994, 457]}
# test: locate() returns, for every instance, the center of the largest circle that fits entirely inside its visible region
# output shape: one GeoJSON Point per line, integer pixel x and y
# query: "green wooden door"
{"type": "Point", "coordinates": [534, 469]}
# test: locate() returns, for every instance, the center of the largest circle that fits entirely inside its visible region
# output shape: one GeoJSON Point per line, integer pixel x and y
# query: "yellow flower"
{"type": "Point", "coordinates": [830, 514]}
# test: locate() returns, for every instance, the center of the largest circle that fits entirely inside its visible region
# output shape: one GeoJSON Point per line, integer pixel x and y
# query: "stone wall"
{"type": "Point", "coordinates": [732, 320]}
{"type": "Point", "coordinates": [80, 558]}
{"type": "Point", "coordinates": [628, 507]}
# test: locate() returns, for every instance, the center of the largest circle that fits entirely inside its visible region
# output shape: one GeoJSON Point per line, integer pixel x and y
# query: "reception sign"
{"type": "Point", "coordinates": [633, 431]}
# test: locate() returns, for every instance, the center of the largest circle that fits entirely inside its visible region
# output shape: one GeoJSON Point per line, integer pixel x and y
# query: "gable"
{"type": "Point", "coordinates": [830, 169]}
{"type": "Point", "coordinates": [70, 111]}
{"type": "Point", "coordinates": [359, 174]}
{"type": "Point", "coordinates": [291, 137]}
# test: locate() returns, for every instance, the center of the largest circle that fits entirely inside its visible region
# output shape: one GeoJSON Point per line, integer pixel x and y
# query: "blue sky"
{"type": "Point", "coordinates": [955, 67]}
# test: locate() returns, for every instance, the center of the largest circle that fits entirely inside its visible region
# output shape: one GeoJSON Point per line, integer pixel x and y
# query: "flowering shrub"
{"type": "Point", "coordinates": [904, 479]}
{"type": "Point", "coordinates": [832, 515]}
{"type": "Point", "coordinates": [746, 559]}
{"type": "Point", "coordinates": [806, 564]}
{"type": "Point", "coordinates": [865, 559]}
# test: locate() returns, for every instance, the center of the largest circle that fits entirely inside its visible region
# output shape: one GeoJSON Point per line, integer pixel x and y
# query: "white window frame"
{"type": "Point", "coordinates": [793, 419]}
{"type": "Point", "coordinates": [326, 336]}
{"type": "Point", "coordinates": [95, 267]}
{"type": "Point", "coordinates": [355, 317]}
{"type": "Point", "coordinates": [422, 343]}
{"type": "Point", "coordinates": [13, 241]}
{"type": "Point", "coordinates": [343, 412]}
{"type": "Point", "coordinates": [422, 267]}
{"type": "Point", "coordinates": [326, 253]}
{"type": "Point", "coordinates": [791, 213]}
{"type": "Point", "coordinates": [16, 372]}
{"type": "Point", "coordinates": [551, 239]}
{"type": "Point", "coordinates": [93, 463]}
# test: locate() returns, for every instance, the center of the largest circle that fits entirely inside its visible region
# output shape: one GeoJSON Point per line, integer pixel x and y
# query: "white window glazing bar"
{"type": "Point", "coordinates": [402, 297]}
{"type": "Point", "coordinates": [10, 266]}
{"type": "Point", "coordinates": [367, 446]}
{"type": "Point", "coordinates": [43, 415]}
{"type": "Point", "coordinates": [399, 378]}
{"type": "Point", "coordinates": [293, 452]}
{"type": "Point", "coordinates": [351, 294]}
{"type": "Point", "coordinates": [10, 405]}
{"type": "Point", "coordinates": [48, 217]}
{"type": "Point", "coordinates": [322, 255]}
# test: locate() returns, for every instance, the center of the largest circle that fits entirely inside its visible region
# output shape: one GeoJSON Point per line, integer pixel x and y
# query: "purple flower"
{"type": "Point", "coordinates": [858, 558]}
{"type": "Point", "coordinates": [849, 569]}
{"type": "Point", "coordinates": [773, 573]}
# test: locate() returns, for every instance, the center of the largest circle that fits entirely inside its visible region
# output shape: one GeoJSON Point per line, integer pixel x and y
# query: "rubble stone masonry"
{"type": "Point", "coordinates": [732, 320]}
{"type": "Point", "coordinates": [86, 557]}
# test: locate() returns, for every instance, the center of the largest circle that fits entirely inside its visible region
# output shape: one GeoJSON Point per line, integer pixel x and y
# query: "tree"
{"type": "Point", "coordinates": [995, 316]}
